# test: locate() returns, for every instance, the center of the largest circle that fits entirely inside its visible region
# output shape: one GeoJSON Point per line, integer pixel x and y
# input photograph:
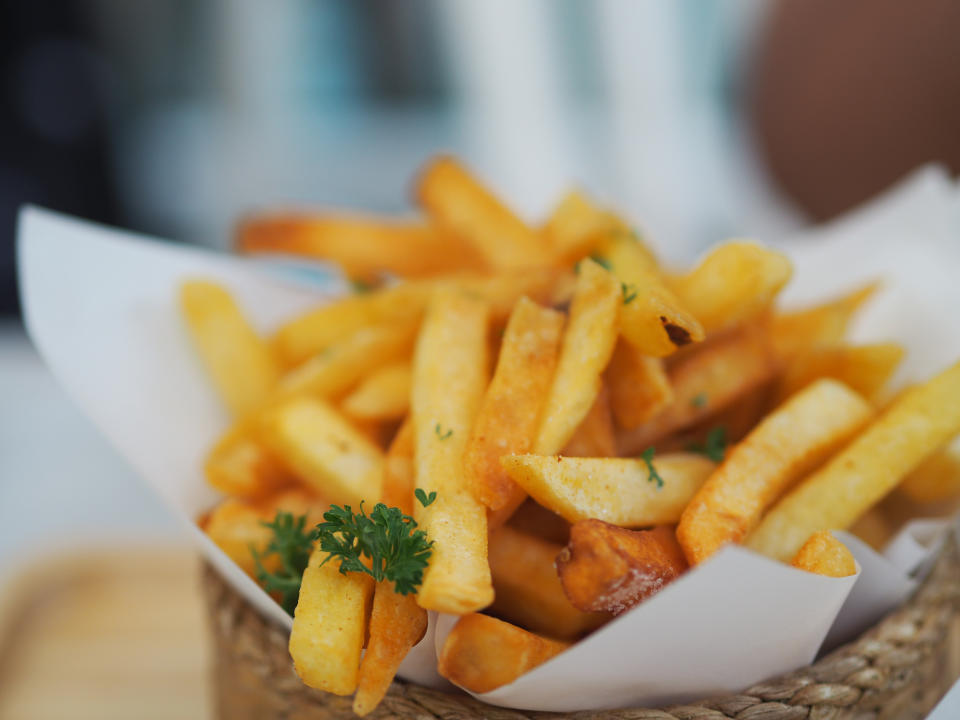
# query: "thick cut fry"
{"type": "Point", "coordinates": [398, 479]}
{"type": "Point", "coordinates": [482, 653]}
{"type": "Point", "coordinates": [735, 282]}
{"type": "Point", "coordinates": [449, 377]}
{"type": "Point", "coordinates": [605, 568]}
{"type": "Point", "coordinates": [397, 623]}
{"type": "Point", "coordinates": [240, 465]}
{"type": "Point", "coordinates": [787, 444]}
{"type": "Point", "coordinates": [865, 368]}
{"type": "Point", "coordinates": [364, 247]}
{"type": "Point", "coordinates": [587, 345]}
{"type": "Point", "coordinates": [936, 479]}
{"type": "Point", "coordinates": [528, 591]}
{"type": "Point", "coordinates": [621, 491]}
{"type": "Point", "coordinates": [510, 411]}
{"type": "Point", "coordinates": [594, 437]}
{"type": "Point", "coordinates": [651, 319]}
{"type": "Point", "coordinates": [235, 526]}
{"type": "Point", "coordinates": [914, 426]}
{"type": "Point", "coordinates": [531, 518]}
{"type": "Point", "coordinates": [239, 362]}
{"type": "Point", "coordinates": [639, 386]}
{"type": "Point", "coordinates": [706, 382]}
{"type": "Point", "coordinates": [457, 202]}
{"type": "Point", "coordinates": [324, 450]}
{"type": "Point", "coordinates": [330, 625]}
{"type": "Point", "coordinates": [384, 395]}
{"type": "Point", "coordinates": [577, 227]}
{"type": "Point", "coordinates": [823, 554]}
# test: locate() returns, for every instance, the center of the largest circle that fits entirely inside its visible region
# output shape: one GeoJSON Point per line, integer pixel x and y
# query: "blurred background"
{"type": "Point", "coordinates": [699, 119]}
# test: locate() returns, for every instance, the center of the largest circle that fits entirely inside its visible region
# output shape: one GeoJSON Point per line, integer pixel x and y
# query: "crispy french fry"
{"type": "Point", "coordinates": [935, 480]}
{"type": "Point", "coordinates": [235, 527]}
{"type": "Point", "coordinates": [705, 382]}
{"type": "Point", "coordinates": [239, 362]}
{"type": "Point", "coordinates": [482, 653]}
{"type": "Point", "coordinates": [449, 377]}
{"type": "Point", "coordinates": [621, 491]}
{"type": "Point", "coordinates": [330, 625]}
{"type": "Point", "coordinates": [528, 591]}
{"type": "Point", "coordinates": [240, 465]}
{"type": "Point", "coordinates": [787, 444]}
{"type": "Point", "coordinates": [510, 410]}
{"type": "Point", "coordinates": [594, 437]}
{"type": "Point", "coordinates": [531, 518]}
{"type": "Point", "coordinates": [865, 368]}
{"type": "Point", "coordinates": [735, 282]}
{"type": "Point", "coordinates": [914, 427]}
{"type": "Point", "coordinates": [397, 623]}
{"type": "Point", "coordinates": [651, 319]}
{"type": "Point", "coordinates": [576, 228]}
{"type": "Point", "coordinates": [398, 479]}
{"type": "Point", "coordinates": [823, 554]}
{"type": "Point", "coordinates": [365, 247]}
{"type": "Point", "coordinates": [324, 450]}
{"type": "Point", "coordinates": [605, 568]}
{"type": "Point", "coordinates": [639, 386]}
{"type": "Point", "coordinates": [457, 202]}
{"type": "Point", "coordinates": [587, 345]}
{"type": "Point", "coordinates": [383, 395]}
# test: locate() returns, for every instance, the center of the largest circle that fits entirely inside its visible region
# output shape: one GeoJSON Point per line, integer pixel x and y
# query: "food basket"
{"type": "Point", "coordinates": [897, 670]}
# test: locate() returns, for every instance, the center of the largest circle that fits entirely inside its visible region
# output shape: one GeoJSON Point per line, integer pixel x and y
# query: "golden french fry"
{"type": "Point", "coordinates": [482, 653]}
{"type": "Point", "coordinates": [865, 368]}
{"type": "Point", "coordinates": [587, 345]}
{"type": "Point", "coordinates": [605, 568]}
{"type": "Point", "coordinates": [240, 465]}
{"type": "Point", "coordinates": [621, 491]}
{"type": "Point", "coordinates": [457, 202]}
{"type": "Point", "coordinates": [510, 411]}
{"type": "Point", "coordinates": [705, 382]}
{"type": "Point", "coordinates": [823, 554]}
{"type": "Point", "coordinates": [528, 591]}
{"type": "Point", "coordinates": [860, 475]}
{"type": "Point", "coordinates": [449, 377]}
{"type": "Point", "coordinates": [735, 282]}
{"type": "Point", "coordinates": [788, 443]}
{"type": "Point", "coordinates": [531, 518]}
{"type": "Point", "coordinates": [935, 480]}
{"type": "Point", "coordinates": [364, 247]}
{"type": "Point", "coordinates": [639, 386]}
{"type": "Point", "coordinates": [651, 319]}
{"type": "Point", "coordinates": [397, 623]}
{"type": "Point", "coordinates": [594, 437]}
{"type": "Point", "coordinates": [235, 526]}
{"type": "Point", "coordinates": [576, 227]}
{"type": "Point", "coordinates": [239, 362]}
{"type": "Point", "coordinates": [330, 625]}
{"type": "Point", "coordinates": [383, 395]}
{"type": "Point", "coordinates": [398, 478]}
{"type": "Point", "coordinates": [873, 528]}
{"type": "Point", "coordinates": [324, 450]}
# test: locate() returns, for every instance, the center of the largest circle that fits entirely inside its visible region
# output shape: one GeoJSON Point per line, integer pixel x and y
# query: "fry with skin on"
{"type": "Point", "coordinates": [587, 345]}
{"type": "Point", "coordinates": [528, 591]}
{"type": "Point", "coordinates": [449, 377]}
{"type": "Point", "coordinates": [511, 407]}
{"type": "Point", "coordinates": [823, 554]}
{"type": "Point", "coordinates": [240, 465]}
{"type": "Point", "coordinates": [329, 625]}
{"type": "Point", "coordinates": [457, 202]}
{"type": "Point", "coordinates": [576, 228]}
{"type": "Point", "coordinates": [639, 386]}
{"type": "Point", "coordinates": [864, 368]}
{"type": "Point", "coordinates": [482, 653]}
{"type": "Point", "coordinates": [605, 568]}
{"type": "Point", "coordinates": [935, 480]}
{"type": "Point", "coordinates": [786, 445]}
{"type": "Point", "coordinates": [238, 361]}
{"type": "Point", "coordinates": [594, 437]}
{"type": "Point", "coordinates": [383, 395]}
{"type": "Point", "coordinates": [621, 491]}
{"type": "Point", "coordinates": [860, 475]}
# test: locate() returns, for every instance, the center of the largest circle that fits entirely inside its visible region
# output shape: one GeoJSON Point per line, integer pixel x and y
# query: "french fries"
{"type": "Point", "coordinates": [823, 554]}
{"type": "Point", "coordinates": [786, 444]}
{"type": "Point", "coordinates": [605, 568]}
{"type": "Point", "coordinates": [482, 653]}
{"type": "Point", "coordinates": [935, 480]}
{"type": "Point", "coordinates": [398, 478]}
{"type": "Point", "coordinates": [449, 377]}
{"type": "Point", "coordinates": [576, 228]}
{"type": "Point", "coordinates": [914, 426]}
{"type": "Point", "coordinates": [621, 491]}
{"type": "Point", "coordinates": [864, 368]}
{"type": "Point", "coordinates": [639, 386]}
{"type": "Point", "coordinates": [240, 465]}
{"type": "Point", "coordinates": [384, 395]}
{"type": "Point", "coordinates": [594, 437]}
{"type": "Point", "coordinates": [239, 362]}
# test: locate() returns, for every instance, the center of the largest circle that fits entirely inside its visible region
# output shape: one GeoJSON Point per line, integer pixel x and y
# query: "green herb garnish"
{"type": "Point", "coordinates": [440, 433]}
{"type": "Point", "coordinates": [652, 474]}
{"type": "Point", "coordinates": [387, 538]}
{"type": "Point", "coordinates": [292, 545]}
{"type": "Point", "coordinates": [422, 496]}
{"type": "Point", "coordinates": [629, 292]}
{"type": "Point", "coordinates": [699, 400]}
{"type": "Point", "coordinates": [715, 445]}
{"type": "Point", "coordinates": [601, 261]}
{"type": "Point", "coordinates": [361, 286]}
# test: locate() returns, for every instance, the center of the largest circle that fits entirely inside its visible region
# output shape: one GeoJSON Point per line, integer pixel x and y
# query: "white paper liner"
{"type": "Point", "coordinates": [100, 305]}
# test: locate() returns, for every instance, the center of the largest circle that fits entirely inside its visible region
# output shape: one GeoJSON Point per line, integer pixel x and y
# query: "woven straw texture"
{"type": "Point", "coordinates": [897, 670]}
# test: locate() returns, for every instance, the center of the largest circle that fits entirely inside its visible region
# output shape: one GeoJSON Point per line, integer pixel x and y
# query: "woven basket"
{"type": "Point", "coordinates": [897, 670]}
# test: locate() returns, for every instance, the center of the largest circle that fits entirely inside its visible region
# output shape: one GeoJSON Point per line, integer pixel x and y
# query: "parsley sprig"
{"type": "Point", "coordinates": [652, 474]}
{"type": "Point", "coordinates": [292, 544]}
{"type": "Point", "coordinates": [714, 446]}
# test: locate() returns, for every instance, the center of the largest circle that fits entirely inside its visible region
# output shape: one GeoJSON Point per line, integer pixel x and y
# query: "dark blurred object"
{"type": "Point", "coordinates": [849, 96]}
{"type": "Point", "coordinates": [53, 148]}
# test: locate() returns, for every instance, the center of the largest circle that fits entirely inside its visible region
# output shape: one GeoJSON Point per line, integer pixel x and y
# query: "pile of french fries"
{"type": "Point", "coordinates": [593, 424]}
